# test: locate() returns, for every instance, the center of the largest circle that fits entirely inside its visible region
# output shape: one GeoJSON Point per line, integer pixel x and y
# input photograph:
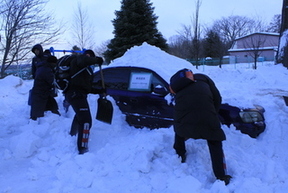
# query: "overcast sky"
{"type": "Point", "coordinates": [172, 14]}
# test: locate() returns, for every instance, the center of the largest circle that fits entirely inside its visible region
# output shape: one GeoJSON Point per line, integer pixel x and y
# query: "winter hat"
{"type": "Point", "coordinates": [180, 80]}
{"type": "Point", "coordinates": [90, 52]}
{"type": "Point", "coordinates": [47, 52]}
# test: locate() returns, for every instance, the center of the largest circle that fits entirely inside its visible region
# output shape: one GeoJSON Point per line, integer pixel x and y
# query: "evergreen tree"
{"type": "Point", "coordinates": [213, 46]}
{"type": "Point", "coordinates": [135, 23]}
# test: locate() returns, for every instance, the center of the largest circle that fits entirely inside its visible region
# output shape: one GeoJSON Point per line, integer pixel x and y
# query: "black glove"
{"type": "Point", "coordinates": [98, 90]}
{"type": "Point", "coordinates": [100, 61]}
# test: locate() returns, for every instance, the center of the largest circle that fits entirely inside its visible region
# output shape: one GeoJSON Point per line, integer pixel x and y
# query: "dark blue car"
{"type": "Point", "coordinates": [144, 97]}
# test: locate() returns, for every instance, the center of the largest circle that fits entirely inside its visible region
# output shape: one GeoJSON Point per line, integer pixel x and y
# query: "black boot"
{"type": "Point", "coordinates": [183, 158]}
{"type": "Point", "coordinates": [225, 179]}
{"type": "Point", "coordinates": [83, 150]}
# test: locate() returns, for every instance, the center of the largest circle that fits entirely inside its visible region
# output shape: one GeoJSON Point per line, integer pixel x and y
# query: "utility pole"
{"type": "Point", "coordinates": [282, 55]}
{"type": "Point", "coordinates": [195, 41]}
{"type": "Point", "coordinates": [284, 19]}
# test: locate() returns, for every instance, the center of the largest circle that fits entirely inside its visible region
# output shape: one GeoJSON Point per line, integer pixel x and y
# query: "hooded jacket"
{"type": "Point", "coordinates": [42, 90]}
{"type": "Point", "coordinates": [196, 110]}
{"type": "Point", "coordinates": [82, 82]}
{"type": "Point", "coordinates": [38, 59]}
{"type": "Point", "coordinates": [44, 78]}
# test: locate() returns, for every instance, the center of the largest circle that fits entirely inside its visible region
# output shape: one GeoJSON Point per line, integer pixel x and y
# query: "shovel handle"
{"type": "Point", "coordinates": [102, 78]}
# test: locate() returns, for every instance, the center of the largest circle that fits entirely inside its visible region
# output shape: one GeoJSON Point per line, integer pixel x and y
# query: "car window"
{"type": "Point", "coordinates": [158, 83]}
{"type": "Point", "coordinates": [148, 81]}
{"type": "Point", "coordinates": [117, 78]}
{"type": "Point", "coordinates": [133, 79]}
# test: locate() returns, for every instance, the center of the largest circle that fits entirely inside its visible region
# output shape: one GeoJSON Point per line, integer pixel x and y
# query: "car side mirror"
{"type": "Point", "coordinates": [161, 91]}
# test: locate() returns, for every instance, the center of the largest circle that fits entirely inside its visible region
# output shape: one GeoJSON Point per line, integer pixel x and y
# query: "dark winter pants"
{"type": "Point", "coordinates": [52, 105]}
{"type": "Point", "coordinates": [41, 103]}
{"type": "Point", "coordinates": [38, 105]}
{"type": "Point", "coordinates": [216, 153]}
{"type": "Point", "coordinates": [82, 120]}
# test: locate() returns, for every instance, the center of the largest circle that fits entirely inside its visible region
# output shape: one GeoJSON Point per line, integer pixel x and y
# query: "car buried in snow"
{"type": "Point", "coordinates": [143, 97]}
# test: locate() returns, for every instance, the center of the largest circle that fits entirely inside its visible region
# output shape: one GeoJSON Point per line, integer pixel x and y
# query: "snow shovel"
{"type": "Point", "coordinates": [105, 108]}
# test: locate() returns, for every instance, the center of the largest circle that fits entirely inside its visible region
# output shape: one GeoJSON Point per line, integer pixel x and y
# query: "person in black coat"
{"type": "Point", "coordinates": [42, 93]}
{"type": "Point", "coordinates": [197, 102]}
{"type": "Point", "coordinates": [76, 95]}
{"type": "Point", "coordinates": [39, 57]}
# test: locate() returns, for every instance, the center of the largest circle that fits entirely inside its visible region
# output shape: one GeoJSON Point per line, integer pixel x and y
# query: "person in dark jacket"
{"type": "Point", "coordinates": [42, 93]}
{"type": "Point", "coordinates": [197, 102]}
{"type": "Point", "coordinates": [76, 95]}
{"type": "Point", "coordinates": [39, 57]}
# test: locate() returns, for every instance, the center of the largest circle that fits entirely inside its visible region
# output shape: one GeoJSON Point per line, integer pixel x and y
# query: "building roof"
{"type": "Point", "coordinates": [260, 33]}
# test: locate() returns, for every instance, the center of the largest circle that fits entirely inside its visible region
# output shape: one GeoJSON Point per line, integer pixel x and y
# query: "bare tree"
{"type": "Point", "coordinates": [181, 45]}
{"type": "Point", "coordinates": [253, 45]}
{"type": "Point", "coordinates": [23, 22]}
{"type": "Point", "coordinates": [82, 31]}
{"type": "Point", "coordinates": [232, 27]}
{"type": "Point", "coordinates": [187, 44]}
{"type": "Point", "coordinates": [186, 32]}
{"type": "Point", "coordinates": [100, 49]}
{"type": "Point", "coordinates": [275, 24]}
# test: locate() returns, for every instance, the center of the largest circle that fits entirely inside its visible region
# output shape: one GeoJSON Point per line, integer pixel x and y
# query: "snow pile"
{"type": "Point", "coordinates": [282, 44]}
{"type": "Point", "coordinates": [152, 57]}
{"type": "Point", "coordinates": [44, 158]}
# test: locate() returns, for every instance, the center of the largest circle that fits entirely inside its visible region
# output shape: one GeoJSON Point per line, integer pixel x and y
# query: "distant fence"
{"type": "Point", "coordinates": [228, 60]}
{"type": "Point", "coordinates": [24, 70]}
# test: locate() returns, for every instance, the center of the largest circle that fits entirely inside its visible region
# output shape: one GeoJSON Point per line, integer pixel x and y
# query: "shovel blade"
{"type": "Point", "coordinates": [104, 110]}
{"type": "Point", "coordinates": [285, 100]}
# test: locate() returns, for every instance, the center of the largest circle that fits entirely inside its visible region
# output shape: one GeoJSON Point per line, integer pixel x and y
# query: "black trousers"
{"type": "Point", "coordinates": [82, 120]}
{"type": "Point", "coordinates": [216, 154]}
{"type": "Point", "coordinates": [41, 103]}
{"type": "Point", "coordinates": [52, 105]}
{"type": "Point", "coordinates": [38, 105]}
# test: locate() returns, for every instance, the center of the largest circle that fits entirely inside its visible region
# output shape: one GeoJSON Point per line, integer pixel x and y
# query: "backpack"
{"type": "Point", "coordinates": [62, 72]}
{"type": "Point", "coordinates": [179, 80]}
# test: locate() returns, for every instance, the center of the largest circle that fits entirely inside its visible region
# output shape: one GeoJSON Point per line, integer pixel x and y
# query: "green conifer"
{"type": "Point", "coordinates": [134, 24]}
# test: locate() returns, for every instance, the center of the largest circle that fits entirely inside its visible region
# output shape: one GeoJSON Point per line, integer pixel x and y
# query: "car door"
{"type": "Point", "coordinates": [140, 94]}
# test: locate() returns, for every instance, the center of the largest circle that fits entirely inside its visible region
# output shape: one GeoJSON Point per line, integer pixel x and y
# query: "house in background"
{"type": "Point", "coordinates": [260, 46]}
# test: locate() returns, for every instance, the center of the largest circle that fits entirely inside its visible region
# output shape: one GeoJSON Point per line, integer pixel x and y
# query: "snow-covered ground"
{"type": "Point", "coordinates": [43, 157]}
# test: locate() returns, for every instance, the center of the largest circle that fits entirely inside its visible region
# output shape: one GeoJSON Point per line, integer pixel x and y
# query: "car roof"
{"type": "Point", "coordinates": [130, 67]}
{"type": "Point", "coordinates": [138, 68]}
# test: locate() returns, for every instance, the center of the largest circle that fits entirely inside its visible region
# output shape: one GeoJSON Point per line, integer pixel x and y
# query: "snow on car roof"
{"type": "Point", "coordinates": [154, 58]}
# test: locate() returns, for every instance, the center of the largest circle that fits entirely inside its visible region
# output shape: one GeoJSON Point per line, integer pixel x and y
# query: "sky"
{"type": "Point", "coordinates": [43, 157]}
{"type": "Point", "coordinates": [172, 14]}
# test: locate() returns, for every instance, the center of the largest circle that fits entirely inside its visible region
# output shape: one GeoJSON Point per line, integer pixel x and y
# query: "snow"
{"type": "Point", "coordinates": [43, 157]}
{"type": "Point", "coordinates": [282, 44]}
